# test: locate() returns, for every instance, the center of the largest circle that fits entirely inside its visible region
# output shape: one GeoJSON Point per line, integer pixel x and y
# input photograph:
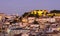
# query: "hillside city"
{"type": "Point", "coordinates": [32, 23]}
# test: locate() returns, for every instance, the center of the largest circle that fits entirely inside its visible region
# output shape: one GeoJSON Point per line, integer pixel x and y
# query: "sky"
{"type": "Point", "coordinates": [22, 6]}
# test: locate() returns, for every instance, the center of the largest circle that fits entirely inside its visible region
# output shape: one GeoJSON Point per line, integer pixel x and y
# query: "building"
{"type": "Point", "coordinates": [2, 15]}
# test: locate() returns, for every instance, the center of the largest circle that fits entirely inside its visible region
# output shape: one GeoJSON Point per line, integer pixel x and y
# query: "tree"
{"type": "Point", "coordinates": [55, 11]}
{"type": "Point", "coordinates": [25, 14]}
{"type": "Point", "coordinates": [31, 15]}
{"type": "Point", "coordinates": [35, 22]}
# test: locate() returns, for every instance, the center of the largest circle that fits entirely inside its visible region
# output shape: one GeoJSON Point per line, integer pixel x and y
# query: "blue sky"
{"type": "Point", "coordinates": [21, 6]}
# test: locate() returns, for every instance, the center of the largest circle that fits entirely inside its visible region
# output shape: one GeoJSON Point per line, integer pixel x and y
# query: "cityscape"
{"type": "Point", "coordinates": [32, 23]}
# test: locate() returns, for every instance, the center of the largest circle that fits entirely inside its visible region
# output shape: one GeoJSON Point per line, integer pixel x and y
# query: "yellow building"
{"type": "Point", "coordinates": [39, 12]}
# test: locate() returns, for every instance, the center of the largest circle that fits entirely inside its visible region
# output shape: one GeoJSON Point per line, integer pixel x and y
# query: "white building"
{"type": "Point", "coordinates": [31, 19]}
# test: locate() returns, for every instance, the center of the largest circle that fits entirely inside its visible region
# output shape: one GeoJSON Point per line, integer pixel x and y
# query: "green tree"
{"type": "Point", "coordinates": [55, 11]}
